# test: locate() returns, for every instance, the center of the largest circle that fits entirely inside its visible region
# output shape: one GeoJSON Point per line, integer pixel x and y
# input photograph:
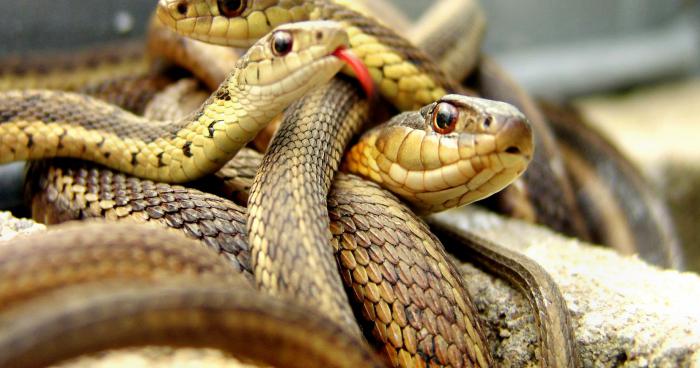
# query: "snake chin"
{"type": "Point", "coordinates": [309, 77]}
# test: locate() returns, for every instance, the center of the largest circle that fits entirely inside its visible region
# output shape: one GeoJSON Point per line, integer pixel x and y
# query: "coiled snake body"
{"type": "Point", "coordinates": [193, 172]}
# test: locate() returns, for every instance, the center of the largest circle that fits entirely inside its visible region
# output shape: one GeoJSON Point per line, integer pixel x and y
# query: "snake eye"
{"type": "Point", "coordinates": [445, 118]}
{"type": "Point", "coordinates": [181, 8]}
{"type": "Point", "coordinates": [231, 8]}
{"type": "Point", "coordinates": [282, 42]}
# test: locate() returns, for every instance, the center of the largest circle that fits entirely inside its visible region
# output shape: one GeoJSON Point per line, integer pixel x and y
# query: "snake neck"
{"type": "Point", "coordinates": [404, 75]}
{"type": "Point", "coordinates": [43, 124]}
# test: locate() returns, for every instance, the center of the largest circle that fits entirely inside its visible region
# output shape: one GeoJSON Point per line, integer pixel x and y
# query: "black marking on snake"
{"type": "Point", "coordinates": [134, 161]}
{"type": "Point", "coordinates": [223, 94]}
{"type": "Point", "coordinates": [6, 116]}
{"type": "Point", "coordinates": [211, 128]}
{"type": "Point", "coordinates": [60, 139]}
{"type": "Point", "coordinates": [107, 155]}
{"type": "Point", "coordinates": [160, 159]}
{"type": "Point", "coordinates": [186, 149]}
{"type": "Point", "coordinates": [30, 140]}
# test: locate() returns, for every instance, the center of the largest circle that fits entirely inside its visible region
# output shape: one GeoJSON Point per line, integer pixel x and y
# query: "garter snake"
{"type": "Point", "coordinates": [361, 211]}
{"type": "Point", "coordinates": [145, 286]}
{"type": "Point", "coordinates": [37, 124]}
{"type": "Point", "coordinates": [220, 19]}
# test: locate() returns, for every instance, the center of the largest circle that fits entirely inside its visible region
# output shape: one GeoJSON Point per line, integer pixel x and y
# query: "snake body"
{"type": "Point", "coordinates": [402, 281]}
{"type": "Point", "coordinates": [64, 124]}
{"type": "Point", "coordinates": [290, 249]}
{"type": "Point", "coordinates": [398, 273]}
{"type": "Point", "coordinates": [361, 254]}
{"type": "Point", "coordinates": [34, 265]}
{"type": "Point", "coordinates": [72, 71]}
{"type": "Point", "coordinates": [197, 313]}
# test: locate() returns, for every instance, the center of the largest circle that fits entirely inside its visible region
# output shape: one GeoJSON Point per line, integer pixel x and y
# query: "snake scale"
{"type": "Point", "coordinates": [169, 290]}
{"type": "Point", "coordinates": [85, 193]}
{"type": "Point", "coordinates": [386, 89]}
{"type": "Point", "coordinates": [473, 355]}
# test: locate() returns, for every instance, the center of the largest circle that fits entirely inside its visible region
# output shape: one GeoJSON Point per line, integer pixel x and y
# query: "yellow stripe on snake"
{"type": "Point", "coordinates": [403, 74]}
{"type": "Point", "coordinates": [356, 208]}
{"type": "Point", "coordinates": [263, 84]}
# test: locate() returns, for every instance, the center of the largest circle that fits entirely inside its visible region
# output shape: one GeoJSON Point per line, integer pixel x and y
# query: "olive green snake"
{"type": "Point", "coordinates": [182, 148]}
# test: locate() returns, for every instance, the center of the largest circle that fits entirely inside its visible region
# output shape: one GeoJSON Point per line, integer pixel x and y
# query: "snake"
{"type": "Point", "coordinates": [87, 128]}
{"type": "Point", "coordinates": [165, 290]}
{"type": "Point", "coordinates": [355, 202]}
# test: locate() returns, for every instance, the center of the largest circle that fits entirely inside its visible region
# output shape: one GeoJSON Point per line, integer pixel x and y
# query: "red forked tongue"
{"type": "Point", "coordinates": [360, 69]}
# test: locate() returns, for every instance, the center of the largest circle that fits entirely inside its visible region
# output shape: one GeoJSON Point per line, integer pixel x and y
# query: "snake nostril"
{"type": "Point", "coordinates": [181, 8]}
{"type": "Point", "coordinates": [513, 150]}
{"type": "Point", "coordinates": [487, 122]}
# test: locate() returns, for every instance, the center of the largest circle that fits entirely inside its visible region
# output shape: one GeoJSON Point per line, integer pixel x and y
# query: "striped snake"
{"type": "Point", "coordinates": [387, 176]}
{"type": "Point", "coordinates": [276, 228]}
{"type": "Point", "coordinates": [445, 117]}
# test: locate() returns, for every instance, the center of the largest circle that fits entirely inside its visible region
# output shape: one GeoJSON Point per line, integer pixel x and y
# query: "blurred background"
{"type": "Point", "coordinates": [632, 67]}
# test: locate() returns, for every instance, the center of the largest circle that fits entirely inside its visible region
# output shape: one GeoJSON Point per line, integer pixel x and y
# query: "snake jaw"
{"type": "Point", "coordinates": [490, 147]}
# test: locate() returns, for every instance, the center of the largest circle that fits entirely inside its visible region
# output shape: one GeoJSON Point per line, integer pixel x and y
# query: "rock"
{"type": "Point", "coordinates": [626, 313]}
{"type": "Point", "coordinates": [11, 226]}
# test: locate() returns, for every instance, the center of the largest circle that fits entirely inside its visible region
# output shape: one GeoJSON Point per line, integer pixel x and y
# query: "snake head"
{"type": "Point", "coordinates": [237, 23]}
{"type": "Point", "coordinates": [289, 61]}
{"type": "Point", "coordinates": [452, 152]}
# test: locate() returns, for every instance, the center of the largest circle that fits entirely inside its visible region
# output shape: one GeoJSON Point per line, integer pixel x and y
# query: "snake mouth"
{"type": "Point", "coordinates": [358, 67]}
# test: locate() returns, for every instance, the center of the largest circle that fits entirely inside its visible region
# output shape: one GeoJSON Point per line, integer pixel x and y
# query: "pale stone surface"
{"type": "Point", "coordinates": [11, 226]}
{"type": "Point", "coordinates": [625, 312]}
{"type": "Point", "coordinates": [157, 357]}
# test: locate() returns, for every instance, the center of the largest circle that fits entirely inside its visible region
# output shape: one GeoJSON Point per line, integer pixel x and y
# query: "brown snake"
{"type": "Point", "coordinates": [277, 164]}
{"type": "Point", "coordinates": [166, 290]}
{"type": "Point", "coordinates": [353, 192]}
